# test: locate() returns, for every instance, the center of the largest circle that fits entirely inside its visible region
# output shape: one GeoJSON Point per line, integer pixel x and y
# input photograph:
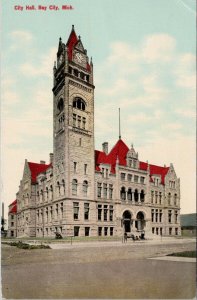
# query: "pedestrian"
{"type": "Point", "coordinates": [125, 237]}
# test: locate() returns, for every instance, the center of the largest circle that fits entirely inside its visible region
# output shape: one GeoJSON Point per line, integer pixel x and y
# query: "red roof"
{"type": "Point", "coordinates": [37, 169]}
{"type": "Point", "coordinates": [72, 40]}
{"type": "Point", "coordinates": [13, 209]}
{"type": "Point", "coordinates": [119, 151]}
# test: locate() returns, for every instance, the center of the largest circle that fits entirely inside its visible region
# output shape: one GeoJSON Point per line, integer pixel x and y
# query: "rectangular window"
{"type": "Point", "coordinates": [12, 224]}
{"type": "Point", "coordinates": [142, 180]}
{"type": "Point", "coordinates": [99, 212]}
{"type": "Point", "coordinates": [76, 230]}
{"type": "Point", "coordinates": [75, 166]}
{"type": "Point", "coordinates": [152, 196]}
{"type": "Point", "coordinates": [176, 216]}
{"type": "Point", "coordinates": [103, 172]}
{"type": "Point", "coordinates": [111, 231]}
{"type": "Point", "coordinates": [12, 217]}
{"type": "Point", "coordinates": [105, 190]}
{"type": "Point", "coordinates": [157, 230]}
{"type": "Point", "coordinates": [76, 210]}
{"type": "Point", "coordinates": [110, 191]}
{"type": "Point", "coordinates": [169, 216]}
{"type": "Point", "coordinates": [105, 212]}
{"type": "Point", "coordinates": [86, 211]}
{"type": "Point", "coordinates": [153, 229]}
{"type": "Point", "coordinates": [99, 190]}
{"type": "Point", "coordinates": [152, 215]}
{"type": "Point", "coordinates": [85, 169]}
{"type": "Point", "coordinates": [61, 209]}
{"type": "Point", "coordinates": [176, 231]}
{"type": "Point", "coordinates": [111, 212]}
{"type": "Point", "coordinates": [160, 197]}
{"type": "Point", "coordinates": [87, 231]}
{"type": "Point", "coordinates": [135, 178]}
{"type": "Point", "coordinates": [74, 120]}
{"type": "Point", "coordinates": [105, 230]}
{"type": "Point", "coordinates": [107, 173]}
{"type": "Point", "coordinates": [129, 177]}
{"type": "Point", "coordinates": [156, 196]}
{"type": "Point", "coordinates": [84, 123]}
{"type": "Point", "coordinates": [160, 216]}
{"type": "Point", "coordinates": [79, 121]}
{"type": "Point", "coordinates": [122, 176]}
{"type": "Point", "coordinates": [170, 231]}
{"type": "Point", "coordinates": [99, 231]}
{"type": "Point", "coordinates": [160, 231]}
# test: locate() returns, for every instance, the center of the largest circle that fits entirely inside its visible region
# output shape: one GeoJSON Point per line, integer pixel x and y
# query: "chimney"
{"type": "Point", "coordinates": [51, 158]}
{"type": "Point", "coordinates": [105, 147]}
{"type": "Point", "coordinates": [42, 162]}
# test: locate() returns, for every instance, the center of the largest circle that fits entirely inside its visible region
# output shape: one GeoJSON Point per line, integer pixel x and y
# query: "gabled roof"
{"type": "Point", "coordinates": [37, 169]}
{"type": "Point", "coordinates": [119, 152]}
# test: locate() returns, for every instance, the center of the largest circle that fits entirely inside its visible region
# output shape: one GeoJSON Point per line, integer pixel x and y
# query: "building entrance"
{"type": "Point", "coordinates": [127, 221]}
{"type": "Point", "coordinates": [140, 222]}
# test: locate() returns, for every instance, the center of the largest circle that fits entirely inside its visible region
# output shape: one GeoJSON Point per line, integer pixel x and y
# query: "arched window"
{"type": "Point", "coordinates": [129, 194]}
{"type": "Point", "coordinates": [58, 187]}
{"type": "Point", "coordinates": [63, 184]}
{"type": "Point", "coordinates": [142, 195]}
{"type": "Point", "coordinates": [85, 188]}
{"type": "Point", "coordinates": [74, 187]}
{"type": "Point", "coordinates": [123, 193]}
{"type": "Point", "coordinates": [47, 192]}
{"type": "Point", "coordinates": [136, 195]}
{"type": "Point", "coordinates": [175, 199]}
{"type": "Point", "coordinates": [169, 198]}
{"type": "Point", "coordinates": [60, 105]}
{"type": "Point", "coordinates": [79, 103]}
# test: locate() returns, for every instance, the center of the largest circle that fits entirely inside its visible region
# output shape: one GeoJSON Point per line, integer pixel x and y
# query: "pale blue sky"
{"type": "Point", "coordinates": [144, 62]}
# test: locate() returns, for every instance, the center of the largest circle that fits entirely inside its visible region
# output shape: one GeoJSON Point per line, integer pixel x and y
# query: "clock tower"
{"type": "Point", "coordinates": [73, 130]}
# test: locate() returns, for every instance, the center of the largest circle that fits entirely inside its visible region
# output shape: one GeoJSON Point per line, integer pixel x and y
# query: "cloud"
{"type": "Point", "coordinates": [24, 39]}
{"type": "Point", "coordinates": [158, 48]}
{"type": "Point", "coordinates": [43, 67]}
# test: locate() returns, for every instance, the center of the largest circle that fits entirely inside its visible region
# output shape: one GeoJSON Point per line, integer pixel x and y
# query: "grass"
{"type": "Point", "coordinates": [22, 245]}
{"type": "Point", "coordinates": [184, 254]}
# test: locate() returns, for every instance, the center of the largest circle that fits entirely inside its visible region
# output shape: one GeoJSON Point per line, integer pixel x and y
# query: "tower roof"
{"type": "Point", "coordinates": [72, 40]}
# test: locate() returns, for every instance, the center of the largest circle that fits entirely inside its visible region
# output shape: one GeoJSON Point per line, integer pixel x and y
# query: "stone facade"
{"type": "Point", "coordinates": [85, 192]}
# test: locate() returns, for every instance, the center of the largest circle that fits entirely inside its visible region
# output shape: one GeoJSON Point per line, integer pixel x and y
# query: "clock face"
{"type": "Point", "coordinates": [79, 57]}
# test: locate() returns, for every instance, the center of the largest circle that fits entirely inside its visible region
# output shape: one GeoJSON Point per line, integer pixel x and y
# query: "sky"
{"type": "Point", "coordinates": [143, 53]}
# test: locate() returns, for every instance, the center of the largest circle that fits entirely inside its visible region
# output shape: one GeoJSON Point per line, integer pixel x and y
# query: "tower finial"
{"type": "Point", "coordinates": [119, 125]}
{"type": "Point", "coordinates": [73, 27]}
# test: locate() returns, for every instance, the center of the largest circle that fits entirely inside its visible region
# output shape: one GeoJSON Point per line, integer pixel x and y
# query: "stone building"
{"type": "Point", "coordinates": [83, 191]}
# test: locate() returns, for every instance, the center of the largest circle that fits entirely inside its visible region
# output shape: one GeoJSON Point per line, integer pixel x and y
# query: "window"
{"type": "Point", "coordinates": [78, 102]}
{"type": "Point", "coordinates": [129, 194]}
{"type": "Point", "coordinates": [153, 230]}
{"type": "Point", "coordinates": [12, 224]}
{"type": "Point", "coordinates": [170, 231]}
{"type": "Point", "coordinates": [136, 195]}
{"type": "Point", "coordinates": [152, 215]}
{"type": "Point", "coordinates": [160, 231]}
{"type": "Point", "coordinates": [63, 184]}
{"type": "Point", "coordinates": [110, 191]}
{"type": "Point", "coordinates": [111, 213]}
{"type": "Point", "coordinates": [160, 197]}
{"type": "Point", "coordinates": [76, 210]}
{"type": "Point", "coordinates": [123, 176]}
{"type": "Point", "coordinates": [123, 193]}
{"type": "Point", "coordinates": [85, 188]}
{"type": "Point", "coordinates": [12, 217]}
{"type": "Point", "coordinates": [169, 199]}
{"type": "Point", "coordinates": [60, 105]}
{"type": "Point", "coordinates": [105, 230]}
{"type": "Point", "coordinates": [142, 196]}
{"type": "Point", "coordinates": [103, 172]}
{"type": "Point", "coordinates": [176, 231]}
{"type": "Point", "coordinates": [169, 216]}
{"type": "Point", "coordinates": [74, 187]}
{"type": "Point", "coordinates": [111, 231]}
{"type": "Point", "coordinates": [142, 180]}
{"type": "Point", "coordinates": [99, 212]}
{"type": "Point", "coordinates": [104, 190]}
{"type": "Point", "coordinates": [156, 196]}
{"type": "Point", "coordinates": [160, 216]}
{"type": "Point", "coordinates": [86, 211]}
{"type": "Point", "coordinates": [74, 120]}
{"type": "Point", "coordinates": [61, 209]}
{"type": "Point", "coordinates": [156, 216]}
{"type": "Point", "coordinates": [58, 188]}
{"type": "Point", "coordinates": [136, 178]}
{"type": "Point", "coordinates": [107, 173]}
{"type": "Point", "coordinates": [79, 121]}
{"type": "Point", "coordinates": [129, 177]}
{"type": "Point", "coordinates": [76, 230]}
{"type": "Point", "coordinates": [85, 169]}
{"type": "Point", "coordinates": [87, 231]}
{"type": "Point", "coordinates": [105, 212]}
{"type": "Point", "coordinates": [152, 196]}
{"type": "Point", "coordinates": [84, 123]}
{"type": "Point", "coordinates": [56, 210]}
{"type": "Point", "coordinates": [175, 199]}
{"type": "Point", "coordinates": [176, 216]}
{"type": "Point", "coordinates": [99, 190]}
{"type": "Point", "coordinates": [157, 230]}
{"type": "Point", "coordinates": [99, 231]}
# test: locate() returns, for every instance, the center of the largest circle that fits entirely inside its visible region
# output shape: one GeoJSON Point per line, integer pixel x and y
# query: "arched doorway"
{"type": "Point", "coordinates": [140, 222]}
{"type": "Point", "coordinates": [127, 222]}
